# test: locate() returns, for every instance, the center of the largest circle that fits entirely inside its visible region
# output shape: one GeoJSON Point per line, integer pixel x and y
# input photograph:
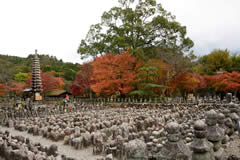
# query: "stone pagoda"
{"type": "Point", "coordinates": [36, 78]}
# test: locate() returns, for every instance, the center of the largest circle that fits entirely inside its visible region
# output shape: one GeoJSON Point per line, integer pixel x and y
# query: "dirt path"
{"type": "Point", "coordinates": [85, 154]}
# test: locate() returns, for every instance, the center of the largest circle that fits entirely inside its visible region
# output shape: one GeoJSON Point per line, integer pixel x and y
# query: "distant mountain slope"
{"type": "Point", "coordinates": [11, 65]}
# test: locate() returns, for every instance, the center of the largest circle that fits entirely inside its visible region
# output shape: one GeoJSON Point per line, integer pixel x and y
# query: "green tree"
{"type": "Point", "coordinates": [135, 26]}
{"type": "Point", "coordinates": [7, 71]}
{"type": "Point", "coordinates": [213, 62]}
{"type": "Point", "coordinates": [235, 62]}
{"type": "Point", "coordinates": [21, 77]}
{"type": "Point", "coordinates": [219, 59]}
{"type": "Point", "coordinates": [201, 66]}
{"type": "Point", "coordinates": [147, 82]}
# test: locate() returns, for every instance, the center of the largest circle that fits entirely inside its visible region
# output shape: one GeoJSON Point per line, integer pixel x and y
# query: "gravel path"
{"type": "Point", "coordinates": [84, 154]}
{"type": "Point", "coordinates": [233, 148]}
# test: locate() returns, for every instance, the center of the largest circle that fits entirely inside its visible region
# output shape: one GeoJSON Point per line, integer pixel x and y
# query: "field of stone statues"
{"type": "Point", "coordinates": [127, 131]}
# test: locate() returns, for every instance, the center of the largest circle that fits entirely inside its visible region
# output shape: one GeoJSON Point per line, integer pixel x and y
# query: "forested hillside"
{"type": "Point", "coordinates": [12, 65]}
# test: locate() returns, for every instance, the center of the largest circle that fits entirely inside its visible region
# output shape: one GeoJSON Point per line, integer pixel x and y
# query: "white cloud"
{"type": "Point", "coordinates": [210, 23]}
{"type": "Point", "coordinates": [56, 27]}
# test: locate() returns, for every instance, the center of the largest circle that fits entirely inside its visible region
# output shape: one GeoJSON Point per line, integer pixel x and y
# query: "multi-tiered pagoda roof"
{"type": "Point", "coordinates": [36, 77]}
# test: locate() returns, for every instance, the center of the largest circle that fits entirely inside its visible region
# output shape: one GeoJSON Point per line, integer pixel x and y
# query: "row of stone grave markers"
{"type": "Point", "coordinates": [176, 100]}
{"type": "Point", "coordinates": [14, 112]}
{"type": "Point", "coordinates": [139, 131]}
{"type": "Point", "coordinates": [205, 99]}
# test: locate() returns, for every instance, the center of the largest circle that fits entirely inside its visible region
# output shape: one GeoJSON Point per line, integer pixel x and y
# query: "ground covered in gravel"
{"type": "Point", "coordinates": [231, 150]}
{"type": "Point", "coordinates": [84, 154]}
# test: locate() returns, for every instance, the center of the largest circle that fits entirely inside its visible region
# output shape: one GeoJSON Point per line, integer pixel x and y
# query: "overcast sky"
{"type": "Point", "coordinates": [56, 27]}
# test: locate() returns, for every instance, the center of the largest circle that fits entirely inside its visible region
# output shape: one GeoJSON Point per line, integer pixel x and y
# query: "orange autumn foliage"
{"type": "Point", "coordinates": [162, 69]}
{"type": "Point", "coordinates": [173, 78]}
{"type": "Point", "coordinates": [60, 82]}
{"type": "Point", "coordinates": [162, 73]}
{"type": "Point", "coordinates": [226, 81]}
{"type": "Point", "coordinates": [114, 73]}
{"type": "Point", "coordinates": [222, 82]}
{"type": "Point", "coordinates": [184, 82]}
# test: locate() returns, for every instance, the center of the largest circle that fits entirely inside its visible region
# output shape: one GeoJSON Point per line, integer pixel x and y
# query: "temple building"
{"type": "Point", "coordinates": [36, 78]}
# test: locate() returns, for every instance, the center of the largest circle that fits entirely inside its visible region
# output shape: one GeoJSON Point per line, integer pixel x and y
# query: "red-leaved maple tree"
{"type": "Point", "coordinates": [210, 81]}
{"type": "Point", "coordinates": [185, 83]}
{"type": "Point", "coordinates": [114, 74]}
{"type": "Point", "coordinates": [17, 87]}
{"type": "Point", "coordinates": [83, 80]}
{"type": "Point", "coordinates": [202, 81]}
{"type": "Point", "coordinates": [227, 81]}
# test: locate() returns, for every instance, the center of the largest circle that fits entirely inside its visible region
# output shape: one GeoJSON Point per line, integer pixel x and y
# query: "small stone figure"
{"type": "Point", "coordinates": [229, 97]}
{"type": "Point", "coordinates": [135, 150]}
{"type": "Point", "coordinates": [221, 119]}
{"type": "Point", "coordinates": [214, 133]}
{"type": "Point", "coordinates": [174, 148]}
{"type": "Point", "coordinates": [202, 148]}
